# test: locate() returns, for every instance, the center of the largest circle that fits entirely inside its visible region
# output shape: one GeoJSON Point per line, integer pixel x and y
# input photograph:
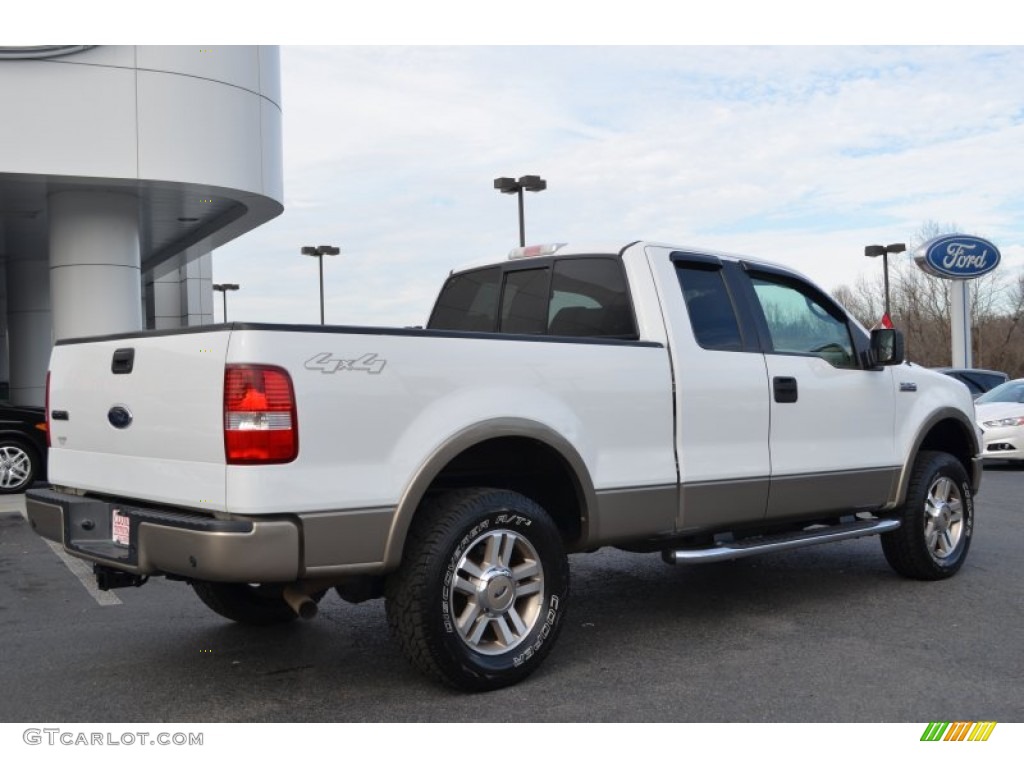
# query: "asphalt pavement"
{"type": "Point", "coordinates": [824, 634]}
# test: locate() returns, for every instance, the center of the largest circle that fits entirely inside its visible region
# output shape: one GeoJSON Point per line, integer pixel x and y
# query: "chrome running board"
{"type": "Point", "coordinates": [759, 545]}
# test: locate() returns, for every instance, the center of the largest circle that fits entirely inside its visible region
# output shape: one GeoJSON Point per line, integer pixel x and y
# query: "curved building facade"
{"type": "Point", "coordinates": [121, 169]}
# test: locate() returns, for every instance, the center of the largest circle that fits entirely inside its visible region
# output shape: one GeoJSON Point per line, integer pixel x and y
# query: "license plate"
{"type": "Point", "coordinates": [120, 528]}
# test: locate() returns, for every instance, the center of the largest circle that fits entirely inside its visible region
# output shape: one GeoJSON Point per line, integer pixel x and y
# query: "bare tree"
{"type": "Point", "coordinates": [920, 307]}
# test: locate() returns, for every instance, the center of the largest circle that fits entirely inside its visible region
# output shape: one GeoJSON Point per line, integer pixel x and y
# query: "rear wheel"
{"type": "Point", "coordinates": [483, 585]}
{"type": "Point", "coordinates": [937, 520]}
{"type": "Point", "coordinates": [253, 604]}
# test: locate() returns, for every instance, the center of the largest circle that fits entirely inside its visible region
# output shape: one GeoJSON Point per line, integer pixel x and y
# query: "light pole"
{"type": "Point", "coordinates": [509, 186]}
{"type": "Point", "coordinates": [884, 251]}
{"type": "Point", "coordinates": [223, 288]}
{"type": "Point", "coordinates": [320, 251]}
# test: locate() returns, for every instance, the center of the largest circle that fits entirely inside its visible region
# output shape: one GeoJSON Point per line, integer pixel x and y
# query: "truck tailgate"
{"type": "Point", "coordinates": [141, 416]}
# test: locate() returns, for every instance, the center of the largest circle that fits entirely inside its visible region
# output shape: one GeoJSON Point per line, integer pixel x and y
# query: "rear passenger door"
{"type": "Point", "coordinates": [721, 393]}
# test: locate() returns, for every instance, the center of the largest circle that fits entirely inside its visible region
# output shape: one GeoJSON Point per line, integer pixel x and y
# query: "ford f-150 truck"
{"type": "Point", "coordinates": [657, 398]}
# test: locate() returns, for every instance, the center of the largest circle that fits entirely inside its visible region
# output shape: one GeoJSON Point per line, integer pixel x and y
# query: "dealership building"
{"type": "Point", "coordinates": [121, 169]}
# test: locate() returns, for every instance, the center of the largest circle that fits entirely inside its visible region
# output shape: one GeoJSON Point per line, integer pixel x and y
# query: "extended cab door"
{"type": "Point", "coordinates": [832, 419]}
{"type": "Point", "coordinates": [721, 390]}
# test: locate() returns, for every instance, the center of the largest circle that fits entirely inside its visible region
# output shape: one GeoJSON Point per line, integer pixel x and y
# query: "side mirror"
{"type": "Point", "coordinates": [886, 346]}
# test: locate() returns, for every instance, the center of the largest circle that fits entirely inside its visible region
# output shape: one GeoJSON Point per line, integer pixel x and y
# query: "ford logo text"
{"type": "Point", "coordinates": [957, 257]}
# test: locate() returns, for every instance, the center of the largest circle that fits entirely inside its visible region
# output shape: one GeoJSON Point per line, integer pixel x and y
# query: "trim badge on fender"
{"type": "Point", "coordinates": [119, 417]}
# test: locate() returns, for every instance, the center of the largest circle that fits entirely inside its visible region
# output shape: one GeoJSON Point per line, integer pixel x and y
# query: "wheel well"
{"type": "Point", "coordinates": [524, 465]}
{"type": "Point", "coordinates": [951, 437]}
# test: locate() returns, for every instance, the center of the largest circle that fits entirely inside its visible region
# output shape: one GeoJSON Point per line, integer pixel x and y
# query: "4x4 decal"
{"type": "Point", "coordinates": [325, 363]}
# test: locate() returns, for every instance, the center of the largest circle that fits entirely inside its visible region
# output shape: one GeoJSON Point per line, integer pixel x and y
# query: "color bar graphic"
{"type": "Point", "coordinates": [958, 731]}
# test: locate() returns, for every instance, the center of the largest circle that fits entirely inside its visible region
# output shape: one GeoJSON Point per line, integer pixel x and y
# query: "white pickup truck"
{"type": "Point", "coordinates": [653, 397]}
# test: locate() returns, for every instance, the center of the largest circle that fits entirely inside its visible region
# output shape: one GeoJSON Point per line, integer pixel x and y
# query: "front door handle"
{"type": "Point", "coordinates": [785, 389]}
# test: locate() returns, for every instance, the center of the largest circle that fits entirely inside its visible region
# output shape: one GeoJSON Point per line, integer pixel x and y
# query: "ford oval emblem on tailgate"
{"type": "Point", "coordinates": [119, 417]}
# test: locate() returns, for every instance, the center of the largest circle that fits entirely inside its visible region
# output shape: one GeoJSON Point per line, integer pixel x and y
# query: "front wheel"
{"type": "Point", "coordinates": [937, 520]}
{"type": "Point", "coordinates": [483, 586]}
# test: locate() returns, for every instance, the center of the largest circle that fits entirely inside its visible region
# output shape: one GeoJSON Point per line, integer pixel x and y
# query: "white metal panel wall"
{"type": "Point", "coordinates": [66, 119]}
{"type": "Point", "coordinates": [167, 113]}
{"type": "Point", "coordinates": [270, 73]}
{"type": "Point", "coordinates": [272, 157]}
{"type": "Point", "coordinates": [103, 56]}
{"type": "Point", "coordinates": [192, 129]}
{"type": "Point", "coordinates": [236, 65]}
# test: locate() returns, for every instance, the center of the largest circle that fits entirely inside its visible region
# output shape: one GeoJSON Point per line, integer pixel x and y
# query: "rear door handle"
{"type": "Point", "coordinates": [785, 389]}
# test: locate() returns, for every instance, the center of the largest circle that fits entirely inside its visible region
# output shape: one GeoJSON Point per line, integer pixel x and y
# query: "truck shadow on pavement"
{"type": "Point", "coordinates": [624, 608]}
{"type": "Point", "coordinates": [636, 633]}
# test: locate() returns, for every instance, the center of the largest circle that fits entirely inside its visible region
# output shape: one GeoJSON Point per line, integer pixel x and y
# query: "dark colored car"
{"type": "Point", "coordinates": [978, 380]}
{"type": "Point", "coordinates": [22, 447]}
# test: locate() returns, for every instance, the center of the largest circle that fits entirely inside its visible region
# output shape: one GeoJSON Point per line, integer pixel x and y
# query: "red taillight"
{"type": "Point", "coordinates": [260, 422]}
{"type": "Point", "coordinates": [47, 406]}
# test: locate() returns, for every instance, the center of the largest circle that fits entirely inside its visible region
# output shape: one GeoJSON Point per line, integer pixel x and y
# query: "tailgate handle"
{"type": "Point", "coordinates": [124, 360]}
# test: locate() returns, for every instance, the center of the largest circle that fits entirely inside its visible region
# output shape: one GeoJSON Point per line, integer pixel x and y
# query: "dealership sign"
{"type": "Point", "coordinates": [957, 257]}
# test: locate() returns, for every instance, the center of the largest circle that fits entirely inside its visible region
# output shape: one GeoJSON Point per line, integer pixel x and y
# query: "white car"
{"type": "Point", "coordinates": [1000, 414]}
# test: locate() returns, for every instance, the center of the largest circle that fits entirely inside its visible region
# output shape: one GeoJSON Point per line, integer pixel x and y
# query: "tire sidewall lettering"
{"type": "Point", "coordinates": [425, 598]}
{"type": "Point", "coordinates": [516, 522]}
{"type": "Point", "coordinates": [545, 630]}
{"type": "Point", "coordinates": [969, 506]}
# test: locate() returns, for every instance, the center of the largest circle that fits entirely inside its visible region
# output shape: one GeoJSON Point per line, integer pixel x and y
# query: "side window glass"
{"type": "Point", "coordinates": [986, 381]}
{"type": "Point", "coordinates": [589, 297]}
{"type": "Point", "coordinates": [468, 302]}
{"type": "Point", "coordinates": [524, 301]}
{"type": "Point", "coordinates": [799, 324]}
{"type": "Point", "coordinates": [972, 382]}
{"type": "Point", "coordinates": [712, 316]}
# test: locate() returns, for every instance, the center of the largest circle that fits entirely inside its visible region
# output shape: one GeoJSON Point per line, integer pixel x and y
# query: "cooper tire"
{"type": "Point", "coordinates": [937, 520]}
{"type": "Point", "coordinates": [482, 590]}
{"type": "Point", "coordinates": [253, 604]}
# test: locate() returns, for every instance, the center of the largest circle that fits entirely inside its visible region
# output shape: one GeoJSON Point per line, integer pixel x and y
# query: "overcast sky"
{"type": "Point", "coordinates": [799, 155]}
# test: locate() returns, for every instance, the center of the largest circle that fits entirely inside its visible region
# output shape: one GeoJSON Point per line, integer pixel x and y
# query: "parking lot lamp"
{"type": "Point", "coordinates": [223, 288]}
{"type": "Point", "coordinates": [884, 251]}
{"type": "Point", "coordinates": [320, 251]}
{"type": "Point", "coordinates": [509, 186]}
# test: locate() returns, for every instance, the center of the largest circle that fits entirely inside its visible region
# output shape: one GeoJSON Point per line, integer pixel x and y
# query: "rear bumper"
{"type": "Point", "coordinates": [174, 542]}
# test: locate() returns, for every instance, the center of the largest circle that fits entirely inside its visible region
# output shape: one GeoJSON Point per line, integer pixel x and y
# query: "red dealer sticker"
{"type": "Point", "coordinates": [120, 528]}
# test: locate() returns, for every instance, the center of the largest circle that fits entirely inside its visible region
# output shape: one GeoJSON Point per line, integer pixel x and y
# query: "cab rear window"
{"type": "Point", "coordinates": [468, 302]}
{"type": "Point", "coordinates": [576, 296]}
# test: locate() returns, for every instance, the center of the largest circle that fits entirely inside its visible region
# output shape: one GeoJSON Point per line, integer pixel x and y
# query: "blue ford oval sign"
{"type": "Point", "coordinates": [957, 257]}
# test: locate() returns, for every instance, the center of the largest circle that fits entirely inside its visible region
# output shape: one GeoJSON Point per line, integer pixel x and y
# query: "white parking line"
{"type": "Point", "coordinates": [84, 574]}
{"type": "Point", "coordinates": [78, 567]}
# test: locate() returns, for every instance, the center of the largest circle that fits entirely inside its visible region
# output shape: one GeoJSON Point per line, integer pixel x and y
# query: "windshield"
{"type": "Point", "coordinates": [1010, 392]}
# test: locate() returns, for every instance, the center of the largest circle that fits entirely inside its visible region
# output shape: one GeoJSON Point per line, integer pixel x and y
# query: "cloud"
{"type": "Point", "coordinates": [796, 154]}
